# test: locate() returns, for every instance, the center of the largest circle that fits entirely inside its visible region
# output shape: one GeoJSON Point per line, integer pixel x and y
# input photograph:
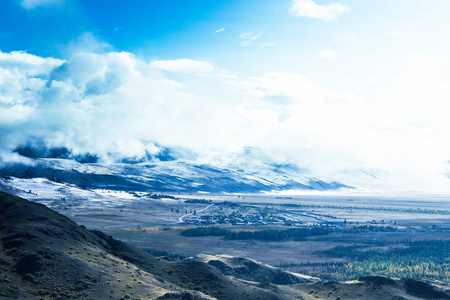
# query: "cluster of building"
{"type": "Point", "coordinates": [251, 218]}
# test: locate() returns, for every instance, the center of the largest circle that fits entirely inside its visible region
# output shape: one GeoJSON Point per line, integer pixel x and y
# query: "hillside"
{"type": "Point", "coordinates": [44, 255]}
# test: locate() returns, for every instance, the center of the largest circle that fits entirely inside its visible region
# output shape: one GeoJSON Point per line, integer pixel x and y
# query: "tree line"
{"type": "Point", "coordinates": [265, 235]}
{"type": "Point", "coordinates": [340, 207]}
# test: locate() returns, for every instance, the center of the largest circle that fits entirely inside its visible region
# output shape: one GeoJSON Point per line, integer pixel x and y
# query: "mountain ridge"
{"type": "Point", "coordinates": [169, 176]}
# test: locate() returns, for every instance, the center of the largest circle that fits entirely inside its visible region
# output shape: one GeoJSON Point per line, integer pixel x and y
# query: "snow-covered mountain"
{"type": "Point", "coordinates": [168, 176]}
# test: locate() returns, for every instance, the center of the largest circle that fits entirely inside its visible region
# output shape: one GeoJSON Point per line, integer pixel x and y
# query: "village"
{"type": "Point", "coordinates": [228, 213]}
{"type": "Point", "coordinates": [234, 213]}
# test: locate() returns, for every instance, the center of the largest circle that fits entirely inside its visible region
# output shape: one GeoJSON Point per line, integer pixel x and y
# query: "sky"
{"type": "Point", "coordinates": [353, 91]}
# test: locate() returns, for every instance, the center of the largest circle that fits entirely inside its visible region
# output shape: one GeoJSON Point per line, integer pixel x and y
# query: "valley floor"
{"type": "Point", "coordinates": [364, 230]}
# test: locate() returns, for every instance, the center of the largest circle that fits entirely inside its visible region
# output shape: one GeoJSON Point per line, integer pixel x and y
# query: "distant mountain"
{"type": "Point", "coordinates": [169, 176]}
{"type": "Point", "coordinates": [44, 255]}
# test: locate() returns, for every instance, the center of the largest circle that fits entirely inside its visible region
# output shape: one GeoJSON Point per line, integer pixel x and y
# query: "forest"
{"type": "Point", "coordinates": [264, 235]}
{"type": "Point", "coordinates": [418, 259]}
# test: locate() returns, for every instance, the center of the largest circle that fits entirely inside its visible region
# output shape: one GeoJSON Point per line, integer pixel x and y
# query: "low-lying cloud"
{"type": "Point", "coordinates": [115, 106]}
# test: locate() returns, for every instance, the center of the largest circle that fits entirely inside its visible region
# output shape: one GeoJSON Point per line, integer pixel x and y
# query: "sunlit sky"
{"type": "Point", "coordinates": [353, 91]}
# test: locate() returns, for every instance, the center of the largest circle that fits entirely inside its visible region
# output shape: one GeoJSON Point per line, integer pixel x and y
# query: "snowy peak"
{"type": "Point", "coordinates": [169, 176]}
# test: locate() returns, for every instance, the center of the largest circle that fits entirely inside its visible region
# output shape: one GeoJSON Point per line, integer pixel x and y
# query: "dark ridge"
{"type": "Point", "coordinates": [182, 296]}
{"type": "Point", "coordinates": [31, 151]}
{"type": "Point", "coordinates": [423, 290]}
{"type": "Point", "coordinates": [377, 280]}
{"type": "Point", "coordinates": [249, 270]}
{"type": "Point", "coordinates": [39, 150]}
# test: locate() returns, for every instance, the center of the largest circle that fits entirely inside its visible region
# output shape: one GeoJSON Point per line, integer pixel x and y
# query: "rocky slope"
{"type": "Point", "coordinates": [44, 255]}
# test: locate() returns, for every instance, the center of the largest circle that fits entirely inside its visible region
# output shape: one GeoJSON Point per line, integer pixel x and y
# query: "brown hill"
{"type": "Point", "coordinates": [44, 255]}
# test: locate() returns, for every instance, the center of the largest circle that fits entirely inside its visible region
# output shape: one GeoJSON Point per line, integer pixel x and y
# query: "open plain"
{"type": "Point", "coordinates": [362, 230]}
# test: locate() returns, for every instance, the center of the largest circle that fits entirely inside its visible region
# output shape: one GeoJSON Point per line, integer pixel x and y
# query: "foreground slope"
{"type": "Point", "coordinates": [44, 255]}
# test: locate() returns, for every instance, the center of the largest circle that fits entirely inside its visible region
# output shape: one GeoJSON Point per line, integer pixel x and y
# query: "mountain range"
{"type": "Point", "coordinates": [174, 176]}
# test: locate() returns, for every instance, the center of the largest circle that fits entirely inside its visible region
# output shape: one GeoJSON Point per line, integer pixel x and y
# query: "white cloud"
{"type": "Point", "coordinates": [219, 30]}
{"type": "Point", "coordinates": [327, 53]}
{"type": "Point", "coordinates": [100, 102]}
{"type": "Point", "coordinates": [30, 4]}
{"type": "Point", "coordinates": [116, 105]}
{"type": "Point", "coordinates": [249, 38]}
{"type": "Point", "coordinates": [287, 88]}
{"type": "Point", "coordinates": [15, 114]}
{"type": "Point", "coordinates": [183, 65]}
{"type": "Point", "coordinates": [20, 60]}
{"type": "Point", "coordinates": [308, 8]}
{"type": "Point", "coordinates": [87, 42]}
{"type": "Point", "coordinates": [21, 74]}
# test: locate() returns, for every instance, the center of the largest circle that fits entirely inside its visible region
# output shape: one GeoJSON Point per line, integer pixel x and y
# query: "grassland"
{"type": "Point", "coordinates": [367, 235]}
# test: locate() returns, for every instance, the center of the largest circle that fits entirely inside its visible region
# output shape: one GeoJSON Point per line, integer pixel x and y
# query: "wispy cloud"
{"type": "Point", "coordinates": [87, 42]}
{"type": "Point", "coordinates": [183, 65]}
{"type": "Point", "coordinates": [308, 8]}
{"type": "Point", "coordinates": [327, 53]}
{"type": "Point", "coordinates": [30, 4]}
{"type": "Point", "coordinates": [248, 38]}
{"type": "Point", "coordinates": [219, 30]}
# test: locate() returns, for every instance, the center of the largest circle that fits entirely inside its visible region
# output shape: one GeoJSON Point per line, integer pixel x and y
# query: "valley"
{"type": "Point", "coordinates": [359, 228]}
{"type": "Point", "coordinates": [224, 150]}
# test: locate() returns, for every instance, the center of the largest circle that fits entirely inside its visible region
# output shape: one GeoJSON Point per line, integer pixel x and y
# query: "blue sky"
{"type": "Point", "coordinates": [340, 88]}
{"type": "Point", "coordinates": [175, 29]}
{"type": "Point", "coordinates": [155, 26]}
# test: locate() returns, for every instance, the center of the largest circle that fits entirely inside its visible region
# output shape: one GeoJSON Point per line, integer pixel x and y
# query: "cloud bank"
{"type": "Point", "coordinates": [117, 106]}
